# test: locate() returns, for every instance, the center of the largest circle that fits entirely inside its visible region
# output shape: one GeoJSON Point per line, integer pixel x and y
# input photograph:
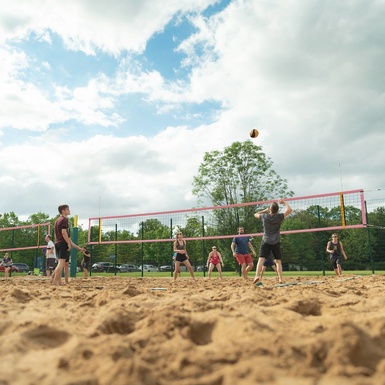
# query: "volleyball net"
{"type": "Point", "coordinates": [30, 236]}
{"type": "Point", "coordinates": [322, 212]}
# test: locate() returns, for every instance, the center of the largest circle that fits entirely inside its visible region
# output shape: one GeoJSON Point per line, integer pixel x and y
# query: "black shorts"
{"type": "Point", "coordinates": [51, 262]}
{"type": "Point", "coordinates": [268, 262]}
{"type": "Point", "coordinates": [266, 249]}
{"type": "Point", "coordinates": [335, 261]}
{"type": "Point", "coordinates": [180, 257]}
{"type": "Point", "coordinates": [86, 265]}
{"type": "Point", "coordinates": [62, 251]}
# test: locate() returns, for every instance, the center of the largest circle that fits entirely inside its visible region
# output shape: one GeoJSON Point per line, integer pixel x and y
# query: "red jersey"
{"type": "Point", "coordinates": [60, 224]}
{"type": "Point", "coordinates": [214, 259]}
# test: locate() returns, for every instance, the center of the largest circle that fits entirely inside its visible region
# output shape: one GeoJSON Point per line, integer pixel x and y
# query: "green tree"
{"type": "Point", "coordinates": [38, 218]}
{"type": "Point", "coordinates": [240, 173]}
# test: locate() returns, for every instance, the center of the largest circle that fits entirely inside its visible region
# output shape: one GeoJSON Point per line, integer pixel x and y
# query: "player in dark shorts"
{"type": "Point", "coordinates": [181, 256]}
{"type": "Point", "coordinates": [86, 263]}
{"type": "Point", "coordinates": [336, 251]}
{"type": "Point", "coordinates": [271, 221]}
{"type": "Point", "coordinates": [268, 263]}
{"type": "Point", "coordinates": [63, 245]}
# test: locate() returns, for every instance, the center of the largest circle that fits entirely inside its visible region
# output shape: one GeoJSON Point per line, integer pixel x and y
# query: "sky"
{"type": "Point", "coordinates": [110, 106]}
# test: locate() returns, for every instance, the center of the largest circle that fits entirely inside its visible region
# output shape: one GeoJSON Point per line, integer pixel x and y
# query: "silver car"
{"type": "Point", "coordinates": [127, 268]}
{"type": "Point", "coordinates": [148, 268]}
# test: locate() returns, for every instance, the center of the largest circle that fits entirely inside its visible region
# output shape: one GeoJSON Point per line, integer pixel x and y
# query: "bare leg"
{"type": "Point", "coordinates": [258, 270]}
{"type": "Point", "coordinates": [176, 269]}
{"type": "Point", "coordinates": [58, 272]}
{"type": "Point", "coordinates": [189, 268]}
{"type": "Point", "coordinates": [211, 267]}
{"type": "Point", "coordinates": [249, 268]}
{"type": "Point", "coordinates": [244, 272]}
{"type": "Point", "coordinates": [219, 268]}
{"type": "Point", "coordinates": [52, 276]}
{"type": "Point", "coordinates": [66, 273]}
{"type": "Point", "coordinates": [279, 269]}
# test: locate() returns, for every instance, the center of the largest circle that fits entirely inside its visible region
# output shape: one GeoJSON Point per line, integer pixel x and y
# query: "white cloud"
{"type": "Point", "coordinates": [91, 25]}
{"type": "Point", "coordinates": [22, 104]}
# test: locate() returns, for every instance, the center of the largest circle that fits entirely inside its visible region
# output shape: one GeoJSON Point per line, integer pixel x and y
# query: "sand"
{"type": "Point", "coordinates": [116, 330]}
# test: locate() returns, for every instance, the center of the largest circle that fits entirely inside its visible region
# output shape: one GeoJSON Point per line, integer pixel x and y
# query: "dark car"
{"type": "Point", "coordinates": [23, 267]}
{"type": "Point", "coordinates": [105, 267]}
{"type": "Point", "coordinates": [166, 268]}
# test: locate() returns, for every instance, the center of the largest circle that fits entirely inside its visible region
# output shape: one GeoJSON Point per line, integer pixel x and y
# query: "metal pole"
{"type": "Point", "coordinates": [116, 245]}
{"type": "Point", "coordinates": [171, 248]}
{"type": "Point", "coordinates": [203, 246]}
{"type": "Point", "coordinates": [91, 253]}
{"type": "Point", "coordinates": [74, 252]}
{"type": "Point", "coordinates": [369, 246]}
{"type": "Point", "coordinates": [322, 255]}
{"type": "Point", "coordinates": [142, 247]}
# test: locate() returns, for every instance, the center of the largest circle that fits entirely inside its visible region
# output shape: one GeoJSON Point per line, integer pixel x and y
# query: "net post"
{"type": "Point", "coordinates": [74, 253]}
{"type": "Point", "coordinates": [38, 245]}
{"type": "Point", "coordinates": [38, 235]}
{"type": "Point", "coordinates": [320, 241]}
{"type": "Point", "coordinates": [142, 248]}
{"type": "Point", "coordinates": [91, 260]}
{"type": "Point", "coordinates": [116, 246]}
{"type": "Point", "coordinates": [13, 238]}
{"type": "Point", "coordinates": [363, 208]}
{"type": "Point", "coordinates": [370, 249]}
{"type": "Point", "coordinates": [171, 248]}
{"type": "Point", "coordinates": [203, 246]}
{"type": "Point", "coordinates": [342, 208]}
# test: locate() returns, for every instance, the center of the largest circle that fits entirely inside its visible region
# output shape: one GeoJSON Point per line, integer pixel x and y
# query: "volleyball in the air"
{"type": "Point", "coordinates": [254, 133]}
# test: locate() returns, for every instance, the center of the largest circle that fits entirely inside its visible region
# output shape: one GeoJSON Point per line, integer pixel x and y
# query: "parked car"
{"type": "Point", "coordinates": [14, 269]}
{"type": "Point", "coordinates": [166, 268]}
{"type": "Point", "coordinates": [201, 268]}
{"type": "Point", "coordinates": [23, 267]}
{"type": "Point", "coordinates": [125, 267]}
{"type": "Point", "coordinates": [106, 267]}
{"type": "Point", "coordinates": [148, 268]}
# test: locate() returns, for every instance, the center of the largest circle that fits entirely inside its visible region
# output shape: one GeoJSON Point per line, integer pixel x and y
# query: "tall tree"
{"type": "Point", "coordinates": [240, 173]}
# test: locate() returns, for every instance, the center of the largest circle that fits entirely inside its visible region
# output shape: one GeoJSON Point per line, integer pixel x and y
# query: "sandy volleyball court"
{"type": "Point", "coordinates": [117, 330]}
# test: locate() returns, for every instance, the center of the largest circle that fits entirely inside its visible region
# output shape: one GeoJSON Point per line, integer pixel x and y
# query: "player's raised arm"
{"type": "Point", "coordinates": [288, 209]}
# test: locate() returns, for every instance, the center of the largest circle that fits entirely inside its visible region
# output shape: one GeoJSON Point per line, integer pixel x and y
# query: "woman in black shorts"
{"type": "Point", "coordinates": [181, 256]}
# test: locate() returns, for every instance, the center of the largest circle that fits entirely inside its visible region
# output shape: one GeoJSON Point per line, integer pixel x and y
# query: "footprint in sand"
{"type": "Point", "coordinates": [20, 295]}
{"type": "Point", "coordinates": [44, 337]}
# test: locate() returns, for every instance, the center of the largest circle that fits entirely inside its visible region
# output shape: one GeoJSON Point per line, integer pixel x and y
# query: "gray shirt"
{"type": "Point", "coordinates": [271, 227]}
